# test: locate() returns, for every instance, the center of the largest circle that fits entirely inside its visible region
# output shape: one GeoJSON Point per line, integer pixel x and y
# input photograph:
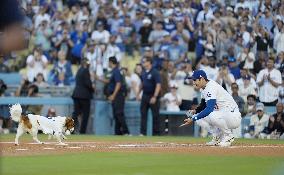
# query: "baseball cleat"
{"type": "Point", "coordinates": [215, 141]}
{"type": "Point", "coordinates": [227, 141]}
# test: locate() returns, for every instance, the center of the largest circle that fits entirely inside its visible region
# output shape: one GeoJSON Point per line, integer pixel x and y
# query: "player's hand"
{"type": "Point", "coordinates": [187, 121]}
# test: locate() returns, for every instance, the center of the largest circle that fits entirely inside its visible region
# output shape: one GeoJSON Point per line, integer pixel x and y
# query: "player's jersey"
{"type": "Point", "coordinates": [224, 101]}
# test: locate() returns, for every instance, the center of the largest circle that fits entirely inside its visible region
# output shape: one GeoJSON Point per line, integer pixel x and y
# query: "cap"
{"type": "Point", "coordinates": [278, 17]}
{"type": "Point", "coordinates": [146, 21]}
{"type": "Point", "coordinates": [232, 59]}
{"type": "Point", "coordinates": [100, 23]}
{"type": "Point", "coordinates": [259, 107]}
{"type": "Point", "coordinates": [229, 9]}
{"type": "Point", "coordinates": [173, 84]}
{"type": "Point", "coordinates": [166, 34]}
{"type": "Point", "coordinates": [147, 48]}
{"type": "Point", "coordinates": [197, 74]}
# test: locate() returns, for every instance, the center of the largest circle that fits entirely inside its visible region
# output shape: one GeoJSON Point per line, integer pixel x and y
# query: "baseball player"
{"type": "Point", "coordinates": [217, 112]}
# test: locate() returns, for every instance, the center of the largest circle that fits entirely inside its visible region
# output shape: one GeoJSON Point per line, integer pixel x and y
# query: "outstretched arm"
{"type": "Point", "coordinates": [205, 112]}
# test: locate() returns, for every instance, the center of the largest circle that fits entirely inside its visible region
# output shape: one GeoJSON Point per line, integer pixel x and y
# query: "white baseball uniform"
{"type": "Point", "coordinates": [226, 115]}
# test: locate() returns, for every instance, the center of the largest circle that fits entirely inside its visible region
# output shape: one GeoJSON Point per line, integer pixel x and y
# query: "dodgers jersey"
{"type": "Point", "coordinates": [224, 101]}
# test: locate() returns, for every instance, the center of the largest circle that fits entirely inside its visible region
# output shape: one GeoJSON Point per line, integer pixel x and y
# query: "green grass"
{"type": "Point", "coordinates": [138, 163]}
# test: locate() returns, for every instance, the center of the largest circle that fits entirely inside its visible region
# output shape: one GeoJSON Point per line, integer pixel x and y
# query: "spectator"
{"type": "Point", "coordinates": [182, 35]}
{"type": "Point", "coordinates": [144, 32]}
{"type": "Point", "coordinates": [100, 36]}
{"type": "Point", "coordinates": [78, 38]}
{"type": "Point", "coordinates": [225, 78]}
{"type": "Point", "coordinates": [4, 110]}
{"type": "Point", "coordinates": [111, 50]}
{"type": "Point", "coordinates": [23, 88]}
{"type": "Point", "coordinates": [51, 112]}
{"type": "Point", "coordinates": [176, 51]}
{"type": "Point", "coordinates": [42, 16]}
{"type": "Point", "coordinates": [268, 80]}
{"type": "Point", "coordinates": [250, 106]}
{"type": "Point", "coordinates": [276, 123]}
{"type": "Point", "coordinates": [114, 22]}
{"type": "Point", "coordinates": [135, 82]}
{"type": "Point", "coordinates": [238, 99]}
{"type": "Point", "coordinates": [234, 68]}
{"type": "Point", "coordinates": [43, 35]}
{"type": "Point", "coordinates": [165, 74]}
{"type": "Point", "coordinates": [257, 122]}
{"type": "Point", "coordinates": [63, 42]}
{"type": "Point", "coordinates": [209, 66]}
{"type": "Point", "coordinates": [36, 63]}
{"type": "Point", "coordinates": [209, 46]}
{"type": "Point", "coordinates": [278, 41]}
{"type": "Point", "coordinates": [279, 62]}
{"type": "Point", "coordinates": [266, 20]}
{"type": "Point", "coordinates": [246, 87]}
{"type": "Point", "coordinates": [240, 102]}
{"type": "Point", "coordinates": [262, 40]}
{"type": "Point", "coordinates": [127, 29]}
{"type": "Point", "coordinates": [82, 96]}
{"type": "Point", "coordinates": [94, 54]}
{"type": "Point", "coordinates": [260, 63]}
{"type": "Point", "coordinates": [3, 67]}
{"type": "Point", "coordinates": [33, 92]}
{"type": "Point", "coordinates": [205, 15]}
{"type": "Point", "coordinates": [185, 86]}
{"type": "Point", "coordinates": [39, 81]}
{"type": "Point", "coordinates": [61, 72]}
{"type": "Point", "coordinates": [156, 35]}
{"type": "Point", "coordinates": [172, 98]}
{"type": "Point", "coordinates": [151, 86]}
{"type": "Point", "coordinates": [246, 58]}
{"type": "Point", "coordinates": [223, 44]}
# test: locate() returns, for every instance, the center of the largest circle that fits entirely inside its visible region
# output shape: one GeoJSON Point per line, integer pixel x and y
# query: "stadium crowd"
{"type": "Point", "coordinates": [238, 43]}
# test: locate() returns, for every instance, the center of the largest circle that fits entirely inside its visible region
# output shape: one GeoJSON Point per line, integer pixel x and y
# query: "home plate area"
{"type": "Point", "coordinates": [27, 148]}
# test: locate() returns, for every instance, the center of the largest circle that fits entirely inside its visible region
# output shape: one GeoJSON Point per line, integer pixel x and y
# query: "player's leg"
{"type": "Point", "coordinates": [233, 119]}
{"type": "Point", "coordinates": [217, 120]}
{"type": "Point", "coordinates": [216, 134]}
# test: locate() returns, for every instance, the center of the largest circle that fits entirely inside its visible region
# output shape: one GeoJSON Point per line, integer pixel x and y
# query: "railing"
{"type": "Point", "coordinates": [103, 122]}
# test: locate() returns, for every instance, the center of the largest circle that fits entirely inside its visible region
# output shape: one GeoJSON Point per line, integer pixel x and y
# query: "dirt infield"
{"type": "Point", "coordinates": [28, 148]}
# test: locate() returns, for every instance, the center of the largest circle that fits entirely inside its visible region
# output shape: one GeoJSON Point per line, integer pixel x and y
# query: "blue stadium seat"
{"type": "Point", "coordinates": [11, 78]}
